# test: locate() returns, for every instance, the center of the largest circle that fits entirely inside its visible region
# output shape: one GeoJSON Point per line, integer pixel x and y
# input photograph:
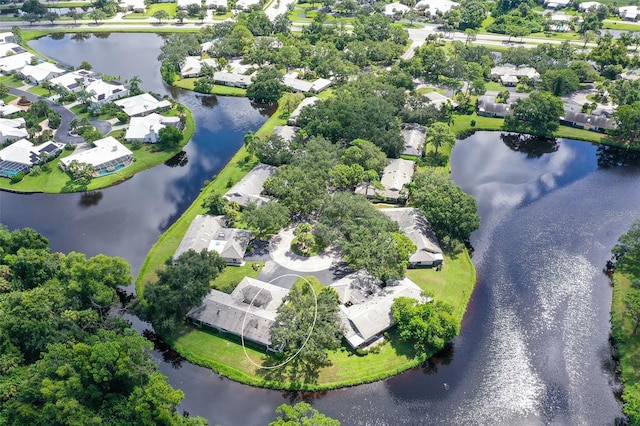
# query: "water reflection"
{"type": "Point", "coordinates": [532, 146]}
{"type": "Point", "coordinates": [208, 101]}
{"type": "Point", "coordinates": [90, 198]}
{"type": "Point", "coordinates": [77, 37]}
{"type": "Point", "coordinates": [609, 156]}
{"type": "Point", "coordinates": [179, 160]}
{"type": "Point", "coordinates": [168, 354]}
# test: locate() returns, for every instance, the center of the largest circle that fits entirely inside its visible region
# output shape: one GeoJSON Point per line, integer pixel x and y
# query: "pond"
{"type": "Point", "coordinates": [534, 343]}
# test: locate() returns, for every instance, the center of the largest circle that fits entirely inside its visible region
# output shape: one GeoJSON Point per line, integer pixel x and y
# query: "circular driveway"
{"type": "Point", "coordinates": [281, 253]}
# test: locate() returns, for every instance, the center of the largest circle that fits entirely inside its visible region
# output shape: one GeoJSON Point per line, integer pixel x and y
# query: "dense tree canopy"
{"type": "Point", "coordinates": [266, 86]}
{"type": "Point", "coordinates": [539, 114]}
{"type": "Point", "coordinates": [627, 119]}
{"type": "Point", "coordinates": [267, 220]}
{"type": "Point", "coordinates": [561, 82]}
{"type": "Point", "coordinates": [64, 360]}
{"type": "Point", "coordinates": [301, 414]}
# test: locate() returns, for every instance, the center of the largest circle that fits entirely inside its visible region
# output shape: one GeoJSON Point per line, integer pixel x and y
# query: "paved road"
{"type": "Point", "coordinates": [62, 133]}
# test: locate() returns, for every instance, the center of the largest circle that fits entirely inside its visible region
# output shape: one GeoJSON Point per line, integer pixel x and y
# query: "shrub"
{"type": "Point", "coordinates": [24, 101]}
{"type": "Point", "coordinates": [122, 117]}
{"type": "Point", "coordinates": [473, 123]}
{"type": "Point", "coordinates": [136, 145]}
{"type": "Point", "coordinates": [17, 177]}
{"type": "Point", "coordinates": [35, 171]}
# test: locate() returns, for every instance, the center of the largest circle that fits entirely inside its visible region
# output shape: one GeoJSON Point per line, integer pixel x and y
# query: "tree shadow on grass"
{"type": "Point", "coordinates": [297, 373]}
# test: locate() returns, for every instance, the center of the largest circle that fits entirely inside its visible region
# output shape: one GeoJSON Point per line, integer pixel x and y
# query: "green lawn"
{"type": "Point", "coordinates": [218, 89]}
{"type": "Point", "coordinates": [621, 25]}
{"type": "Point", "coordinates": [8, 99]}
{"type": "Point", "coordinates": [494, 85]}
{"type": "Point", "coordinates": [40, 91]}
{"type": "Point", "coordinates": [170, 8]}
{"type": "Point", "coordinates": [232, 275]}
{"type": "Point", "coordinates": [12, 80]}
{"type": "Point", "coordinates": [423, 90]}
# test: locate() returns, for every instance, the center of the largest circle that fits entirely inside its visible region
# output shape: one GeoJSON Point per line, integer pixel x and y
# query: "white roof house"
{"type": "Point", "coordinates": [75, 80]}
{"type": "Point", "coordinates": [292, 81]}
{"type": "Point", "coordinates": [22, 154]}
{"type": "Point", "coordinates": [191, 67]}
{"type": "Point", "coordinates": [511, 70]}
{"type": "Point", "coordinates": [133, 5]}
{"type": "Point", "coordinates": [583, 7]}
{"type": "Point", "coordinates": [232, 79]}
{"type": "Point", "coordinates": [307, 102]}
{"type": "Point", "coordinates": [206, 46]}
{"type": "Point", "coordinates": [208, 232]}
{"type": "Point", "coordinates": [7, 37]}
{"type": "Point", "coordinates": [556, 4]}
{"type": "Point", "coordinates": [183, 4]}
{"type": "Point", "coordinates": [147, 128]}
{"type": "Point", "coordinates": [287, 133]}
{"type": "Point", "coordinates": [12, 129]}
{"type": "Point", "coordinates": [107, 157]}
{"type": "Point", "coordinates": [394, 177]}
{"type": "Point", "coordinates": [142, 104]}
{"type": "Point", "coordinates": [395, 9]}
{"type": "Point", "coordinates": [8, 110]}
{"type": "Point", "coordinates": [414, 136]}
{"type": "Point", "coordinates": [249, 311]}
{"type": "Point", "coordinates": [365, 306]}
{"type": "Point", "coordinates": [104, 92]}
{"type": "Point", "coordinates": [437, 99]}
{"type": "Point", "coordinates": [15, 62]}
{"type": "Point", "coordinates": [7, 49]}
{"type": "Point", "coordinates": [416, 227]}
{"type": "Point", "coordinates": [629, 13]}
{"type": "Point", "coordinates": [246, 4]}
{"type": "Point", "coordinates": [432, 7]}
{"type": "Point", "coordinates": [212, 4]}
{"type": "Point", "coordinates": [36, 74]}
{"type": "Point", "coordinates": [251, 186]}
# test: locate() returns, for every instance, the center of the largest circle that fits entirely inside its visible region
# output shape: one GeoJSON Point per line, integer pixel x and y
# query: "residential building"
{"type": "Point", "coordinates": [107, 157]}
{"type": "Point", "coordinates": [7, 37]}
{"type": "Point", "coordinates": [509, 80]}
{"type": "Point", "coordinates": [511, 70]}
{"type": "Point", "coordinates": [6, 110]}
{"type": "Point", "coordinates": [292, 81]}
{"type": "Point", "coordinates": [583, 7]}
{"type": "Point", "coordinates": [395, 176]}
{"type": "Point", "coordinates": [557, 4]}
{"type": "Point", "coordinates": [597, 121]}
{"type": "Point", "coordinates": [204, 47]}
{"type": "Point", "coordinates": [250, 187]}
{"type": "Point", "coordinates": [494, 109]}
{"type": "Point", "coordinates": [232, 79]}
{"type": "Point", "coordinates": [249, 311]}
{"type": "Point", "coordinates": [142, 104]}
{"type": "Point", "coordinates": [365, 305]}
{"type": "Point", "coordinates": [396, 8]}
{"type": "Point", "coordinates": [214, 4]}
{"type": "Point", "coordinates": [102, 92]}
{"type": "Point", "coordinates": [437, 99]}
{"type": "Point", "coordinates": [7, 49]}
{"type": "Point", "coordinates": [36, 74]}
{"type": "Point", "coordinates": [21, 155]}
{"type": "Point", "coordinates": [147, 129]}
{"type": "Point", "coordinates": [183, 4]}
{"type": "Point", "coordinates": [416, 227]}
{"type": "Point", "coordinates": [136, 6]}
{"type": "Point", "coordinates": [246, 4]}
{"type": "Point", "coordinates": [193, 66]}
{"type": "Point", "coordinates": [75, 80]}
{"type": "Point", "coordinates": [287, 133]}
{"type": "Point", "coordinates": [12, 129]}
{"type": "Point", "coordinates": [209, 233]}
{"type": "Point", "coordinates": [432, 8]}
{"type": "Point", "coordinates": [307, 102]}
{"type": "Point", "coordinates": [629, 13]}
{"type": "Point", "coordinates": [12, 63]}
{"type": "Point", "coordinates": [414, 136]}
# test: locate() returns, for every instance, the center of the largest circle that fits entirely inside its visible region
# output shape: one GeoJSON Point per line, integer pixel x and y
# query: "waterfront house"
{"type": "Point", "coordinates": [7, 37]}
{"type": "Point", "coordinates": [102, 92]}
{"type": "Point", "coordinates": [107, 157]}
{"type": "Point", "coordinates": [12, 129]}
{"type": "Point", "coordinates": [395, 176]}
{"type": "Point", "coordinates": [143, 104]}
{"type": "Point", "coordinates": [365, 305]}
{"type": "Point", "coordinates": [147, 129]}
{"type": "Point", "coordinates": [250, 187]}
{"type": "Point", "coordinates": [416, 227]}
{"type": "Point", "coordinates": [292, 81]}
{"type": "Point", "coordinates": [287, 133]}
{"type": "Point", "coordinates": [74, 81]}
{"type": "Point", "coordinates": [249, 311]}
{"type": "Point", "coordinates": [232, 79]}
{"type": "Point", "coordinates": [8, 49]}
{"type": "Point", "coordinates": [208, 232]}
{"type": "Point", "coordinates": [13, 63]}
{"type": "Point", "coordinates": [21, 155]}
{"type": "Point", "coordinates": [307, 102]}
{"type": "Point", "coordinates": [36, 74]}
{"type": "Point", "coordinates": [597, 121]}
{"type": "Point", "coordinates": [414, 136]}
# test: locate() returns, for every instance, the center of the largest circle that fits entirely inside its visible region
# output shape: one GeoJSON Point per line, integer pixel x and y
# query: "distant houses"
{"type": "Point", "coordinates": [102, 91]}
{"type": "Point", "coordinates": [395, 176]}
{"type": "Point", "coordinates": [509, 75]}
{"type": "Point", "coordinates": [208, 232]}
{"type": "Point", "coordinates": [21, 155]}
{"type": "Point", "coordinates": [365, 306]}
{"type": "Point", "coordinates": [107, 157]}
{"type": "Point", "coordinates": [438, 100]}
{"type": "Point", "coordinates": [251, 186]}
{"type": "Point", "coordinates": [232, 79]}
{"type": "Point", "coordinates": [249, 311]}
{"type": "Point", "coordinates": [292, 81]}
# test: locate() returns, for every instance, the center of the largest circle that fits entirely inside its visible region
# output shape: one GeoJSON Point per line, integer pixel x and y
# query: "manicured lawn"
{"type": "Point", "coordinates": [170, 8]}
{"type": "Point", "coordinates": [135, 16]}
{"type": "Point", "coordinates": [621, 25]}
{"type": "Point", "coordinates": [12, 80]}
{"type": "Point", "coordinates": [8, 99]}
{"type": "Point", "coordinates": [232, 275]}
{"type": "Point", "coordinates": [494, 85]}
{"type": "Point", "coordinates": [218, 89]}
{"type": "Point", "coordinates": [579, 134]}
{"type": "Point", "coordinates": [40, 91]}
{"type": "Point", "coordinates": [423, 90]}
{"type": "Point", "coordinates": [556, 36]}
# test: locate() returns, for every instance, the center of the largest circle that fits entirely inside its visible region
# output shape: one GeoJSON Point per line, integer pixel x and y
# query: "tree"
{"type": "Point", "coordinates": [34, 7]}
{"type": "Point", "coordinates": [215, 204]}
{"type": "Point", "coordinates": [428, 326]}
{"type": "Point", "coordinates": [295, 323]}
{"type": "Point", "coordinates": [80, 171]}
{"type": "Point", "coordinates": [561, 82]}
{"type": "Point", "coordinates": [627, 250]}
{"type": "Point", "coordinates": [273, 150]}
{"type": "Point", "coordinates": [627, 119]}
{"type": "Point", "coordinates": [537, 115]}
{"type": "Point", "coordinates": [97, 15]}
{"type": "Point", "coordinates": [365, 154]}
{"type": "Point", "coordinates": [180, 16]}
{"type": "Point", "coordinates": [4, 91]}
{"type": "Point", "coordinates": [31, 17]}
{"type": "Point", "coordinates": [84, 65]}
{"type": "Point", "coordinates": [169, 137]}
{"type": "Point", "coordinates": [452, 213]}
{"type": "Point", "coordinates": [181, 285]}
{"type": "Point", "coordinates": [439, 134]}
{"type": "Point", "coordinates": [266, 86]}
{"type": "Point", "coordinates": [632, 305]}
{"type": "Point", "coordinates": [472, 15]}
{"type": "Point", "coordinates": [75, 15]}
{"type": "Point", "coordinates": [202, 15]}
{"type": "Point", "coordinates": [160, 15]}
{"type": "Point", "coordinates": [259, 23]}
{"type": "Point", "coordinates": [51, 16]}
{"type": "Point", "coordinates": [267, 220]}
{"type": "Point", "coordinates": [134, 85]}
{"type": "Point", "coordinates": [301, 414]}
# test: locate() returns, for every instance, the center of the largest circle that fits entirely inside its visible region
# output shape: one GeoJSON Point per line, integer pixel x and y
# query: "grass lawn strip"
{"type": "Point", "coordinates": [218, 89]}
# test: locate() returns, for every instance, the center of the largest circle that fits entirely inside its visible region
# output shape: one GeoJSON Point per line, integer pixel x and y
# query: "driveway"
{"type": "Point", "coordinates": [62, 133]}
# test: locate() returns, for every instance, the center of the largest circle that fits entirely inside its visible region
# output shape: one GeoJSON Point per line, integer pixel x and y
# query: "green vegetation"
{"type": "Point", "coordinates": [217, 89]}
{"type": "Point", "coordinates": [230, 276]}
{"type": "Point", "coordinates": [301, 414]}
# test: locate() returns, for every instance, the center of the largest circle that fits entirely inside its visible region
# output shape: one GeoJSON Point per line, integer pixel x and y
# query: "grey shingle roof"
{"type": "Point", "coordinates": [208, 233]}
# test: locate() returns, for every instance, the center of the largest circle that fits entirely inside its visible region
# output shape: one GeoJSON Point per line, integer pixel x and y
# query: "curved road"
{"type": "Point", "coordinates": [62, 133]}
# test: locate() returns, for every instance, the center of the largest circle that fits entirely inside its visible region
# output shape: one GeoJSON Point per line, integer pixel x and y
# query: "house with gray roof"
{"type": "Point", "coordinates": [287, 133]}
{"type": "Point", "coordinates": [232, 79]}
{"type": "Point", "coordinates": [395, 176]}
{"type": "Point", "coordinates": [416, 227]}
{"type": "Point", "coordinates": [414, 136]}
{"type": "Point", "coordinates": [208, 232]}
{"type": "Point", "coordinates": [365, 305]}
{"type": "Point", "coordinates": [598, 121]}
{"type": "Point", "coordinates": [249, 311]}
{"type": "Point", "coordinates": [436, 99]}
{"type": "Point", "coordinates": [250, 187]}
{"type": "Point", "coordinates": [307, 102]}
{"type": "Point", "coordinates": [488, 107]}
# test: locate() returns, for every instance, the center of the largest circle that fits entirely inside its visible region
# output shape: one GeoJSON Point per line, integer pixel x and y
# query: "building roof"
{"type": "Point", "coordinates": [15, 62]}
{"type": "Point", "coordinates": [396, 9]}
{"type": "Point", "coordinates": [582, 119]}
{"type": "Point", "coordinates": [368, 313]}
{"type": "Point", "coordinates": [432, 7]}
{"type": "Point", "coordinates": [9, 49]}
{"type": "Point", "coordinates": [225, 77]}
{"type": "Point", "coordinates": [414, 136]}
{"type": "Point", "coordinates": [251, 186]}
{"type": "Point", "coordinates": [252, 303]}
{"type": "Point", "coordinates": [41, 72]}
{"type": "Point", "coordinates": [191, 66]}
{"type": "Point", "coordinates": [397, 173]}
{"type": "Point", "coordinates": [182, 4]}
{"type": "Point", "coordinates": [74, 79]}
{"type": "Point", "coordinates": [148, 127]}
{"type": "Point", "coordinates": [21, 151]}
{"type": "Point", "coordinates": [106, 150]}
{"type": "Point", "coordinates": [133, 4]}
{"type": "Point", "coordinates": [7, 37]}
{"type": "Point", "coordinates": [588, 5]}
{"type": "Point", "coordinates": [223, 3]}
{"type": "Point", "coordinates": [494, 108]}
{"type": "Point", "coordinates": [207, 232]}
{"type": "Point", "coordinates": [296, 112]}
{"type": "Point", "coordinates": [9, 129]}
{"type": "Point", "coordinates": [438, 99]}
{"type": "Point", "coordinates": [512, 70]}
{"type": "Point", "coordinates": [416, 227]}
{"type": "Point", "coordinates": [102, 91]}
{"type": "Point", "coordinates": [141, 104]}
{"type": "Point", "coordinates": [287, 133]}
{"type": "Point", "coordinates": [246, 4]}
{"type": "Point", "coordinates": [8, 109]}
{"type": "Point", "coordinates": [508, 79]}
